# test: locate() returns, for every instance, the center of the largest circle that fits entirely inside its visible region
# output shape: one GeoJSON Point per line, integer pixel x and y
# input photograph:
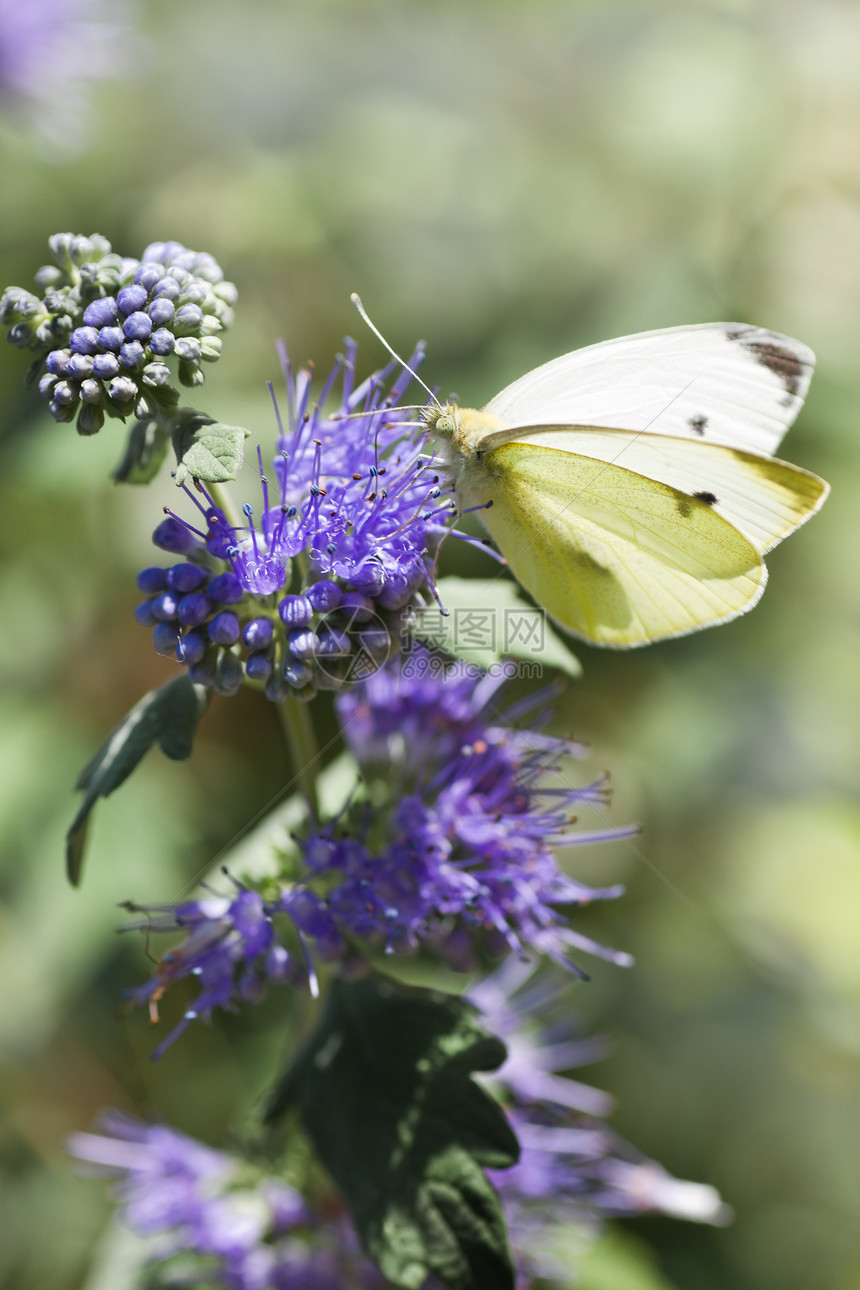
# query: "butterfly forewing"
{"type": "Point", "coordinates": [617, 558]}
{"type": "Point", "coordinates": [716, 382]}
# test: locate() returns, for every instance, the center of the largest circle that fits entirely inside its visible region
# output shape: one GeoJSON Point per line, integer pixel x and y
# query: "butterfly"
{"type": "Point", "coordinates": [631, 486]}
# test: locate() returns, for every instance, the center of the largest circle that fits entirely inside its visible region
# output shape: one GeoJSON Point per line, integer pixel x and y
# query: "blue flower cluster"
{"type": "Point", "coordinates": [192, 1201]}
{"type": "Point", "coordinates": [463, 854]}
{"type": "Point", "coordinates": [196, 1204]}
{"type": "Point", "coordinates": [107, 325]}
{"type": "Point", "coordinates": [460, 860]}
{"type": "Point", "coordinates": [310, 593]}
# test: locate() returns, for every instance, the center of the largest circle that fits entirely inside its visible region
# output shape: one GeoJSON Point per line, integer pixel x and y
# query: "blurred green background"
{"type": "Point", "coordinates": [508, 179]}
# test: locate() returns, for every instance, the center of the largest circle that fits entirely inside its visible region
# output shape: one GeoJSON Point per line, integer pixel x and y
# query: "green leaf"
{"type": "Point", "coordinates": [488, 620]}
{"type": "Point", "coordinates": [385, 1093]}
{"type": "Point", "coordinates": [145, 450]}
{"type": "Point", "coordinates": [205, 449]}
{"type": "Point", "coordinates": [167, 716]}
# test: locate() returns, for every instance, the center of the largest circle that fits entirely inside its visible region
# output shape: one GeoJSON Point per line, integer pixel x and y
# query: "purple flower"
{"type": "Point", "coordinates": [457, 854]}
{"type": "Point", "coordinates": [190, 1200]}
{"type": "Point", "coordinates": [230, 948]}
{"type": "Point", "coordinates": [339, 546]}
{"type": "Point", "coordinates": [477, 807]}
{"type": "Point", "coordinates": [572, 1167]}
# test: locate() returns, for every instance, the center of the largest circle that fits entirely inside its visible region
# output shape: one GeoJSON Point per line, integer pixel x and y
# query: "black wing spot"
{"type": "Point", "coordinates": [698, 423]}
{"type": "Point", "coordinates": [783, 362]}
{"type": "Point", "coordinates": [709, 499]}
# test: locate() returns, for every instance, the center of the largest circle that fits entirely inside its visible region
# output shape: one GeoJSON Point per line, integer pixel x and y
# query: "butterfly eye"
{"type": "Point", "coordinates": [445, 426]}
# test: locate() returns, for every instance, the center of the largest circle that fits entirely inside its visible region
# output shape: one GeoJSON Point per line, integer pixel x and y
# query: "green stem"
{"type": "Point", "coordinates": [301, 741]}
{"type": "Point", "coordinates": [224, 502]}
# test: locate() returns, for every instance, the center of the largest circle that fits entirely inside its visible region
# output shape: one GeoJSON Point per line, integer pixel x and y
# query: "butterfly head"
{"type": "Point", "coordinates": [443, 421]}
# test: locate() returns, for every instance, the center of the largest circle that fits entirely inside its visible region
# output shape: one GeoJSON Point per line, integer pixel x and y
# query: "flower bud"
{"type": "Point", "coordinates": [191, 647]}
{"type": "Point", "coordinates": [131, 354]}
{"type": "Point", "coordinates": [190, 375]}
{"type": "Point", "coordinates": [161, 311]}
{"type": "Point", "coordinates": [138, 326]}
{"type": "Point", "coordinates": [105, 366]}
{"type": "Point", "coordinates": [181, 578]}
{"type": "Point", "coordinates": [165, 638]}
{"type": "Point", "coordinates": [296, 611]}
{"type": "Point", "coordinates": [162, 342]}
{"type": "Point", "coordinates": [224, 628]}
{"type": "Point", "coordinates": [112, 338]}
{"type": "Point", "coordinates": [91, 391]}
{"type": "Point", "coordinates": [90, 419]}
{"type": "Point", "coordinates": [187, 319]}
{"type": "Point", "coordinates": [188, 347]}
{"type": "Point", "coordinates": [258, 667]}
{"type": "Point", "coordinates": [165, 607]}
{"type": "Point", "coordinates": [228, 674]}
{"type": "Point", "coordinates": [171, 535]}
{"type": "Point", "coordinates": [156, 375]}
{"type": "Point", "coordinates": [258, 634]}
{"type": "Point", "coordinates": [58, 361]}
{"type": "Point", "coordinates": [148, 274]}
{"type": "Point", "coordinates": [154, 578]}
{"type": "Point", "coordinates": [65, 394]}
{"type": "Point", "coordinates": [132, 298]}
{"type": "Point", "coordinates": [302, 643]}
{"type": "Point", "coordinates": [84, 340]}
{"type": "Point", "coordinates": [167, 288]}
{"type": "Point", "coordinates": [226, 588]}
{"type": "Point", "coordinates": [210, 348]}
{"type": "Point", "coordinates": [101, 313]}
{"type": "Point", "coordinates": [79, 367]}
{"type": "Point", "coordinates": [122, 389]}
{"type": "Point", "coordinates": [203, 673]}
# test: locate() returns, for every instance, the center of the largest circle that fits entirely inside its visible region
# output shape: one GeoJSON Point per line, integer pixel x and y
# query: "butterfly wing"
{"type": "Point", "coordinates": [617, 558]}
{"type": "Point", "coordinates": [717, 382]}
{"type": "Point", "coordinates": [763, 498]}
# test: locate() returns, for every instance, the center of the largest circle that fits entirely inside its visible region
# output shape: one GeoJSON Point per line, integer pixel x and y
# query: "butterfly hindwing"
{"type": "Point", "coordinates": [715, 382]}
{"type": "Point", "coordinates": [616, 557]}
{"type": "Point", "coordinates": [763, 498]}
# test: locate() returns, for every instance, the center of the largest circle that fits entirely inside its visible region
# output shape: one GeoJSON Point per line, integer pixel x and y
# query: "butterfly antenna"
{"type": "Point", "coordinates": [356, 300]}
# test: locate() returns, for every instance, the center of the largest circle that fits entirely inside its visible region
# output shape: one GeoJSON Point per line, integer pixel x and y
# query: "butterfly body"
{"type": "Point", "coordinates": [648, 516]}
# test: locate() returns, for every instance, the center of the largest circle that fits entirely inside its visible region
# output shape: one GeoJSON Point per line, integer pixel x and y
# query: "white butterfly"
{"type": "Point", "coordinates": [631, 485]}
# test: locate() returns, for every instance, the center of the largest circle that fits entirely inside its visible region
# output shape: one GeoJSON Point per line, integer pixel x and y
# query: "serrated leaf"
{"type": "Point", "coordinates": [207, 450]}
{"type": "Point", "coordinates": [167, 716]}
{"type": "Point", "coordinates": [385, 1093]}
{"type": "Point", "coordinates": [488, 620]}
{"type": "Point", "coordinates": [145, 450]}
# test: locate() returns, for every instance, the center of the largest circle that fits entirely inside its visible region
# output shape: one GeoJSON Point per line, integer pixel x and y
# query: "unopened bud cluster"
{"type": "Point", "coordinates": [106, 327]}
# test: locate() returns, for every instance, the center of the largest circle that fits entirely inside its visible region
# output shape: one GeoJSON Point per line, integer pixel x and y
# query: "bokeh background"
{"type": "Point", "coordinates": [508, 179]}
